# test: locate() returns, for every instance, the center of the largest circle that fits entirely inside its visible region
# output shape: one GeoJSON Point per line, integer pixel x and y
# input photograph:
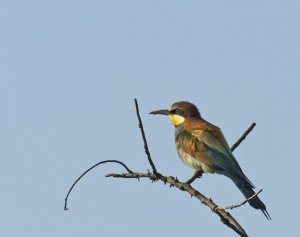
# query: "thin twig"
{"type": "Point", "coordinates": [245, 134]}
{"type": "Point", "coordinates": [240, 204]}
{"type": "Point", "coordinates": [144, 138]}
{"type": "Point", "coordinates": [84, 173]}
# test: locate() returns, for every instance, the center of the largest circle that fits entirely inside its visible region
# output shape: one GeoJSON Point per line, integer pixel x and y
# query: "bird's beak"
{"type": "Point", "coordinates": [163, 112]}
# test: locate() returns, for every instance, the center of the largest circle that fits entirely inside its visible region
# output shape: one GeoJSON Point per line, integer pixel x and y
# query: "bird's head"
{"type": "Point", "coordinates": [179, 111]}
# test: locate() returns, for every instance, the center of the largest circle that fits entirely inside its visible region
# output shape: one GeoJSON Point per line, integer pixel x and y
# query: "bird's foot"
{"type": "Point", "coordinates": [197, 174]}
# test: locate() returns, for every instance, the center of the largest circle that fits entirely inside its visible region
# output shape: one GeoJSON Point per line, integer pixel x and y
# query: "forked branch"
{"type": "Point", "coordinates": [225, 217]}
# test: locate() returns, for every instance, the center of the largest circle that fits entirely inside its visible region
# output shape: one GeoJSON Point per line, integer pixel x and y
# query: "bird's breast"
{"type": "Point", "coordinates": [191, 162]}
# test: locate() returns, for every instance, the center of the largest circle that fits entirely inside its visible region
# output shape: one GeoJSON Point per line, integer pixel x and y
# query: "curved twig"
{"type": "Point", "coordinates": [85, 172]}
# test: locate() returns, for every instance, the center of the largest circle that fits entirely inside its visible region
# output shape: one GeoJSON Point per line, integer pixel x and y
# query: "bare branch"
{"type": "Point", "coordinates": [85, 172]}
{"type": "Point", "coordinates": [144, 138]}
{"type": "Point", "coordinates": [226, 218]}
{"type": "Point", "coordinates": [240, 204]}
{"type": "Point", "coordinates": [245, 134]}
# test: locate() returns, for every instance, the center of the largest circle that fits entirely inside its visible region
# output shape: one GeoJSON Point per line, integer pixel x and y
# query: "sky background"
{"type": "Point", "coordinates": [69, 71]}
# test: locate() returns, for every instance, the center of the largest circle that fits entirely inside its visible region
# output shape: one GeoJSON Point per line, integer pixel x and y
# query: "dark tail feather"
{"type": "Point", "coordinates": [246, 187]}
{"type": "Point", "coordinates": [267, 215]}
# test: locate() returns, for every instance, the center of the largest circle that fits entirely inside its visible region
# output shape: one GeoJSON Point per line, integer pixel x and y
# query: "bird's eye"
{"type": "Point", "coordinates": [176, 111]}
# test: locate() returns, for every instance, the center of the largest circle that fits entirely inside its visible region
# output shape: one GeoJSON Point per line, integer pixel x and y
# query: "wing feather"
{"type": "Point", "coordinates": [209, 148]}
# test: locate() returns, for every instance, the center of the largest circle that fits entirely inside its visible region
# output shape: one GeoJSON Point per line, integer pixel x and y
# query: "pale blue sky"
{"type": "Point", "coordinates": [69, 71]}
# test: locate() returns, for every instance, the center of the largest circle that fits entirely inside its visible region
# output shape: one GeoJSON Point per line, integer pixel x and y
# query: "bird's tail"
{"type": "Point", "coordinates": [246, 187]}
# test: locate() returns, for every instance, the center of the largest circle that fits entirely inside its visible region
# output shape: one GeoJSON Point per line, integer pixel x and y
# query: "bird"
{"type": "Point", "coordinates": [203, 147]}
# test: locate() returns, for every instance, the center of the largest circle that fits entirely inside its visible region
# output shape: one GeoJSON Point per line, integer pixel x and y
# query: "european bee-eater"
{"type": "Point", "coordinates": [202, 146]}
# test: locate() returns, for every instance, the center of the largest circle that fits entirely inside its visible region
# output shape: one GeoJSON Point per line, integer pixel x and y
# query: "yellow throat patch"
{"type": "Point", "coordinates": [176, 119]}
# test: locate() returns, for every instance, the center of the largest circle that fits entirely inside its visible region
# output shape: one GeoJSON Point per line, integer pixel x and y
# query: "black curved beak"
{"type": "Point", "coordinates": [162, 111]}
